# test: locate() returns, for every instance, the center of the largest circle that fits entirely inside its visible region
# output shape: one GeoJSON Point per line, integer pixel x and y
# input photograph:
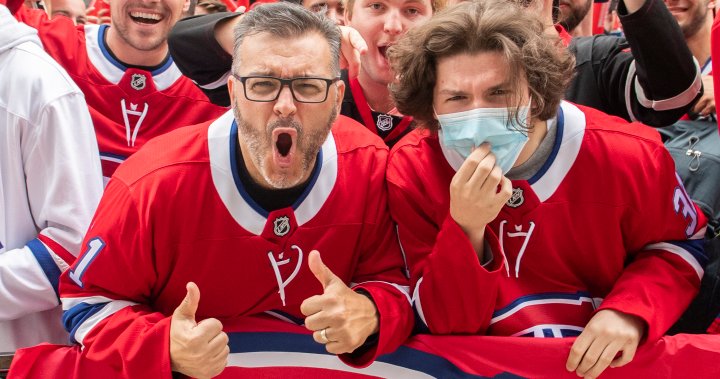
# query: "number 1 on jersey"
{"type": "Point", "coordinates": [94, 247]}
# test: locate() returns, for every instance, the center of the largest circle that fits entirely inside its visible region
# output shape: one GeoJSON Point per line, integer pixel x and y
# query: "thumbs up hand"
{"type": "Point", "coordinates": [340, 318]}
{"type": "Point", "coordinates": [199, 350]}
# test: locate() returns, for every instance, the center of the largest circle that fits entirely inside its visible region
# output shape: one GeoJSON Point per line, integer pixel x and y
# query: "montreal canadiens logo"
{"type": "Point", "coordinates": [281, 226]}
{"type": "Point", "coordinates": [516, 199]}
{"type": "Point", "coordinates": [384, 122]}
{"type": "Point", "coordinates": [137, 81]}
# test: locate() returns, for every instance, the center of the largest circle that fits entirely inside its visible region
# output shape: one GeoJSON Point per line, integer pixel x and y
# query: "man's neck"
{"type": "Point", "coordinates": [131, 56]}
{"type": "Point", "coordinates": [699, 43]}
{"type": "Point", "coordinates": [535, 137]}
{"type": "Point", "coordinates": [376, 94]}
{"type": "Point", "coordinates": [584, 29]}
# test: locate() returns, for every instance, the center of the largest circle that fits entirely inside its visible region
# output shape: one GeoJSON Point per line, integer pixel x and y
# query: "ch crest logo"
{"type": "Point", "coordinates": [384, 122]}
{"type": "Point", "coordinates": [281, 226]}
{"type": "Point", "coordinates": [137, 81]}
{"type": "Point", "coordinates": [516, 199]}
{"type": "Point", "coordinates": [277, 264]}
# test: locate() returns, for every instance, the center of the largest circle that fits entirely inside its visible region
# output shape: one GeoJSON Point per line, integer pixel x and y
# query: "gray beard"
{"type": "Point", "coordinates": [258, 143]}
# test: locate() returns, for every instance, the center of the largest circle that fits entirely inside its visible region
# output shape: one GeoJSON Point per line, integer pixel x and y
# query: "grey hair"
{"type": "Point", "coordinates": [287, 20]}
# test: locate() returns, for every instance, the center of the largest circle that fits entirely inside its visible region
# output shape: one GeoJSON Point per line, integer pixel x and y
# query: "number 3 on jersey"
{"type": "Point", "coordinates": [683, 204]}
{"type": "Point", "coordinates": [94, 247]}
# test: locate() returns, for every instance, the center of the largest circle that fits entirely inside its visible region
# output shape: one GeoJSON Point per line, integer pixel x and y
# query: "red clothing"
{"type": "Point", "coordinates": [177, 212]}
{"type": "Point", "coordinates": [578, 236]}
{"type": "Point", "coordinates": [128, 106]}
{"type": "Point", "coordinates": [262, 348]}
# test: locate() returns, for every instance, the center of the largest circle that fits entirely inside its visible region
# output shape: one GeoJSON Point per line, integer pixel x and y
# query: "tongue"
{"type": "Point", "coordinates": [284, 143]}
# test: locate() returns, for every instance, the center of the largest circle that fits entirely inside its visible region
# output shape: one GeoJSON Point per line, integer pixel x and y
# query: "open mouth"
{"type": "Point", "coordinates": [383, 50]}
{"type": "Point", "coordinates": [145, 18]}
{"type": "Point", "coordinates": [283, 144]}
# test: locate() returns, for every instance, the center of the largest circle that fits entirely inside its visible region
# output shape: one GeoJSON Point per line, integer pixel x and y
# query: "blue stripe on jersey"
{"type": "Point", "coordinates": [233, 165]}
{"type": "Point", "coordinates": [101, 42]}
{"type": "Point", "coordinates": [238, 183]}
{"type": "Point", "coordinates": [542, 296]}
{"type": "Point", "coordinates": [46, 261]}
{"type": "Point", "coordinates": [106, 53]}
{"type": "Point", "coordinates": [556, 148]}
{"type": "Point", "coordinates": [548, 333]}
{"type": "Point", "coordinates": [696, 248]}
{"type": "Point", "coordinates": [311, 183]}
{"type": "Point", "coordinates": [77, 315]}
{"type": "Point", "coordinates": [288, 316]}
{"type": "Point", "coordinates": [164, 67]}
{"type": "Point", "coordinates": [111, 155]}
{"type": "Point", "coordinates": [404, 356]}
{"type": "Point", "coordinates": [570, 332]}
{"type": "Point", "coordinates": [420, 326]}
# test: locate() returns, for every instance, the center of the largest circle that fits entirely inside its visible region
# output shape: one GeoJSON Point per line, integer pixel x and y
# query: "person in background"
{"type": "Point", "coordinates": [50, 184]}
{"type": "Point", "coordinates": [695, 146]}
{"type": "Point", "coordinates": [132, 87]}
{"type": "Point", "coordinates": [74, 9]}
{"type": "Point", "coordinates": [524, 215]}
{"type": "Point", "coordinates": [210, 6]}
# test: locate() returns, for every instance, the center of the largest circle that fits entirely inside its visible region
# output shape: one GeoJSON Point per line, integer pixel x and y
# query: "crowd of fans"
{"type": "Point", "coordinates": [535, 168]}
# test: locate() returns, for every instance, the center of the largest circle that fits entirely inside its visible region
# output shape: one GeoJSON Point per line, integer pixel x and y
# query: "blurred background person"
{"type": "Point", "coordinates": [210, 6]}
{"type": "Point", "coordinates": [74, 9]}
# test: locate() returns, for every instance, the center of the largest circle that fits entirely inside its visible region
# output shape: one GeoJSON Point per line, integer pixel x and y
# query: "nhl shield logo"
{"type": "Point", "coordinates": [384, 122]}
{"type": "Point", "coordinates": [517, 198]}
{"type": "Point", "coordinates": [281, 226]}
{"type": "Point", "coordinates": [137, 81]}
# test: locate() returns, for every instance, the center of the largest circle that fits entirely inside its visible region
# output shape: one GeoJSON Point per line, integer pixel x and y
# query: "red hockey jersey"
{"type": "Point", "coordinates": [177, 212]}
{"type": "Point", "coordinates": [128, 106]}
{"type": "Point", "coordinates": [264, 348]}
{"type": "Point", "coordinates": [604, 224]}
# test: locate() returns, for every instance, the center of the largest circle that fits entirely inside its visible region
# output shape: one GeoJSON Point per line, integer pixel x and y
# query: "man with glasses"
{"type": "Point", "coordinates": [242, 209]}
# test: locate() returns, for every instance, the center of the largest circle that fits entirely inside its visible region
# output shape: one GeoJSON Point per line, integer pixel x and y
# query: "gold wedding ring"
{"type": "Point", "coordinates": [323, 335]}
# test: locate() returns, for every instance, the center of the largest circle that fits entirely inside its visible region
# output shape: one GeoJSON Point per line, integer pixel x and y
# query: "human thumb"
{"type": "Point", "coordinates": [321, 272]}
{"type": "Point", "coordinates": [187, 308]}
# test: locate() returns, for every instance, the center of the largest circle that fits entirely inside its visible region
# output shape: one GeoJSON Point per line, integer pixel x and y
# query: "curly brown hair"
{"type": "Point", "coordinates": [475, 27]}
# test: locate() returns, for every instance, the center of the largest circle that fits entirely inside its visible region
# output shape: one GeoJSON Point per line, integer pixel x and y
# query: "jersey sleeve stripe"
{"type": "Point", "coordinates": [46, 261]}
{"type": "Point", "coordinates": [543, 298]}
{"type": "Point", "coordinates": [417, 305]}
{"type": "Point", "coordinates": [680, 100]}
{"type": "Point", "coordinates": [405, 290]}
{"type": "Point", "coordinates": [85, 315]}
{"type": "Point", "coordinates": [77, 315]}
{"type": "Point", "coordinates": [57, 249]}
{"type": "Point", "coordinates": [690, 251]}
{"type": "Point", "coordinates": [216, 84]}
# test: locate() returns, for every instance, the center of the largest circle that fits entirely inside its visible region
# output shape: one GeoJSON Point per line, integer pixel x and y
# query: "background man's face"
{"type": "Point", "coordinates": [572, 12]}
{"type": "Point", "coordinates": [334, 9]}
{"type": "Point", "coordinates": [381, 23]}
{"type": "Point", "coordinates": [281, 139]}
{"type": "Point", "coordinates": [145, 25]}
{"type": "Point", "coordinates": [690, 14]}
{"type": "Point", "coordinates": [74, 9]}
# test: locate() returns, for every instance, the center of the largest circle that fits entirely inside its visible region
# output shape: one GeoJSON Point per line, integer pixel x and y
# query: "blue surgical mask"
{"type": "Point", "coordinates": [462, 132]}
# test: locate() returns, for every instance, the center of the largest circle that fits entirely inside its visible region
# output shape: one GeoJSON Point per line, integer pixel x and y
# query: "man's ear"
{"type": "Point", "coordinates": [347, 13]}
{"type": "Point", "coordinates": [340, 85]}
{"type": "Point", "coordinates": [231, 86]}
